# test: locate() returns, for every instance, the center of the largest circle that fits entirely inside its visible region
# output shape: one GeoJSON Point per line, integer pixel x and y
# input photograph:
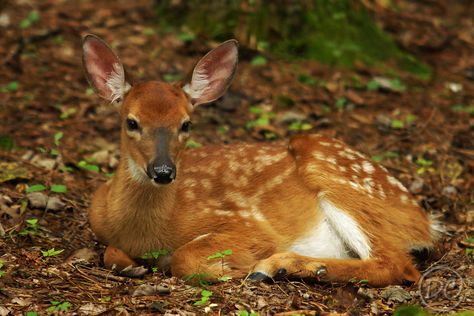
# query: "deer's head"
{"type": "Point", "coordinates": [155, 115]}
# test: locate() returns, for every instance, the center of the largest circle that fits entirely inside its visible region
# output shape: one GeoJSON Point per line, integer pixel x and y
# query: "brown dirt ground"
{"type": "Point", "coordinates": [48, 69]}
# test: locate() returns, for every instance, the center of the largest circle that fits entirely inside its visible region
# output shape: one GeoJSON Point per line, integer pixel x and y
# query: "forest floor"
{"type": "Point", "coordinates": [59, 139]}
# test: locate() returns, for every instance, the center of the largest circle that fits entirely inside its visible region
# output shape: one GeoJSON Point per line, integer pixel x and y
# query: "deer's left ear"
{"type": "Point", "coordinates": [213, 73]}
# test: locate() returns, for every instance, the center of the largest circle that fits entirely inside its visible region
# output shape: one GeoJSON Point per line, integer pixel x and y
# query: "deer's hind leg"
{"type": "Point", "coordinates": [382, 271]}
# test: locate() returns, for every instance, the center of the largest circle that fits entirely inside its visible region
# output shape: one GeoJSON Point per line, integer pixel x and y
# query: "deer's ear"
{"type": "Point", "coordinates": [213, 73]}
{"type": "Point", "coordinates": [103, 69]}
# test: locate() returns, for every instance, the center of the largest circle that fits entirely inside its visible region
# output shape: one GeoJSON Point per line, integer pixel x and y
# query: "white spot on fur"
{"type": "Point", "coordinates": [396, 183]}
{"type": "Point", "coordinates": [404, 198]}
{"type": "Point", "coordinates": [117, 84]}
{"type": "Point", "coordinates": [347, 155]}
{"type": "Point", "coordinates": [200, 237]}
{"type": "Point", "coordinates": [334, 237]}
{"type": "Point", "coordinates": [342, 169]}
{"type": "Point", "coordinates": [368, 167]}
{"type": "Point", "coordinates": [324, 143]}
{"type": "Point", "coordinates": [356, 167]}
{"type": "Point", "coordinates": [223, 213]}
{"type": "Point", "coordinates": [368, 184]}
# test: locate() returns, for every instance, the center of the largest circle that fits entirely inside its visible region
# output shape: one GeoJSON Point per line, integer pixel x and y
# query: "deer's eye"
{"type": "Point", "coordinates": [185, 127]}
{"type": "Point", "coordinates": [132, 125]}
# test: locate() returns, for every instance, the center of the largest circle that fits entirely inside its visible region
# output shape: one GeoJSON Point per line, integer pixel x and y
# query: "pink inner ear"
{"type": "Point", "coordinates": [213, 73]}
{"type": "Point", "coordinates": [99, 61]}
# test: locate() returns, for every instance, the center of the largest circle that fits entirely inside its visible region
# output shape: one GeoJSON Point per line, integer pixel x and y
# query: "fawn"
{"type": "Point", "coordinates": [309, 207]}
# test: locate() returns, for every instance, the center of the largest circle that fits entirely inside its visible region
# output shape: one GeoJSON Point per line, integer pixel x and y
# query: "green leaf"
{"type": "Point", "coordinates": [33, 222]}
{"type": "Point", "coordinates": [57, 138]}
{"type": "Point", "coordinates": [255, 110]}
{"type": "Point", "coordinates": [227, 252]}
{"type": "Point", "coordinates": [340, 103]}
{"type": "Point", "coordinates": [192, 144]}
{"type": "Point", "coordinates": [58, 188]}
{"type": "Point", "coordinates": [66, 113]}
{"type": "Point", "coordinates": [410, 118]}
{"type": "Point", "coordinates": [424, 162]}
{"type": "Point", "coordinates": [31, 313]}
{"type": "Point", "coordinates": [155, 254]}
{"type": "Point", "coordinates": [13, 86]}
{"type": "Point", "coordinates": [377, 158]}
{"type": "Point", "coordinates": [206, 293]}
{"type": "Point", "coordinates": [35, 188]}
{"type": "Point", "coordinates": [186, 37]}
{"type": "Point", "coordinates": [32, 18]}
{"type": "Point", "coordinates": [258, 61]}
{"type": "Point", "coordinates": [373, 85]}
{"type": "Point", "coordinates": [397, 124]}
{"type": "Point", "coordinates": [86, 166]}
{"type": "Point", "coordinates": [51, 252]}
{"type": "Point", "coordinates": [172, 77]}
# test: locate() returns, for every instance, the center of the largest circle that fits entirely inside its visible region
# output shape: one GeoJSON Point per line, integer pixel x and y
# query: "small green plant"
{"type": "Point", "coordinates": [341, 103]}
{"type": "Point", "coordinates": [155, 254]}
{"type": "Point", "coordinates": [402, 123]}
{"type": "Point", "coordinates": [221, 255]}
{"type": "Point", "coordinates": [425, 165]}
{"type": "Point", "coordinates": [10, 87]}
{"type": "Point", "coordinates": [32, 228]}
{"type": "Point", "coordinates": [2, 272]}
{"type": "Point", "coordinates": [67, 112]}
{"type": "Point", "coordinates": [385, 155]}
{"type": "Point", "coordinates": [205, 297]}
{"type": "Point", "coordinates": [31, 19]}
{"type": "Point", "coordinates": [198, 278]}
{"type": "Point", "coordinates": [57, 306]}
{"type": "Point", "coordinates": [262, 117]}
{"type": "Point", "coordinates": [105, 299]}
{"type": "Point", "coordinates": [51, 252]}
{"type": "Point", "coordinates": [245, 313]}
{"type": "Point", "coordinates": [31, 313]}
{"type": "Point", "coordinates": [299, 126]}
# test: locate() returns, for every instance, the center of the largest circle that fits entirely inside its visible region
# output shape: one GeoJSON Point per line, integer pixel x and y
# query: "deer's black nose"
{"type": "Point", "coordinates": [162, 173]}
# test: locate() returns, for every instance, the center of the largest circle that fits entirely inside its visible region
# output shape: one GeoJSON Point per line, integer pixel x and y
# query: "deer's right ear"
{"type": "Point", "coordinates": [103, 69]}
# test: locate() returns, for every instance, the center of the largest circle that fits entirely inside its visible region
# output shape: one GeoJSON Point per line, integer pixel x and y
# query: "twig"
{"type": "Point", "coordinates": [13, 59]}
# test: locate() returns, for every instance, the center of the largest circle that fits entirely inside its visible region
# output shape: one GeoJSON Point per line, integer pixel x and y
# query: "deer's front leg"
{"type": "Point", "coordinates": [214, 255]}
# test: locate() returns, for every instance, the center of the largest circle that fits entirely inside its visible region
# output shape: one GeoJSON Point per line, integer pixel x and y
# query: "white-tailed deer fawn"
{"type": "Point", "coordinates": [309, 207]}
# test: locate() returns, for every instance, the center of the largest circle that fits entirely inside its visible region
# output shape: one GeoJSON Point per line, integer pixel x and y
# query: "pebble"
{"type": "Point", "coordinates": [148, 289]}
{"type": "Point", "coordinates": [396, 294]}
{"type": "Point", "coordinates": [55, 204]}
{"type": "Point", "coordinates": [46, 163]}
{"type": "Point", "coordinates": [37, 199]}
{"type": "Point", "coordinates": [417, 186]}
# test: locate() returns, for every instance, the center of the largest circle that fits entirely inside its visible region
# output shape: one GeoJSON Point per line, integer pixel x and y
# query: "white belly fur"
{"type": "Point", "coordinates": [337, 235]}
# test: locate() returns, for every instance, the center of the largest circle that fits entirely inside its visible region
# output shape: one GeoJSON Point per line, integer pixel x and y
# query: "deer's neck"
{"type": "Point", "coordinates": [141, 213]}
